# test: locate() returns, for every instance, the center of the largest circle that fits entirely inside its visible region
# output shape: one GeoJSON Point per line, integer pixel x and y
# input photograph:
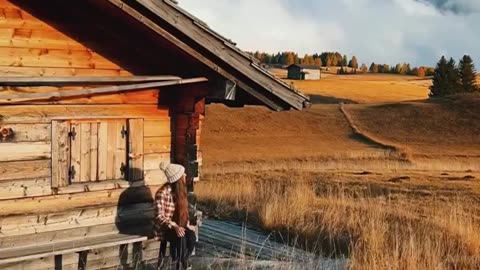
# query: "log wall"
{"type": "Point", "coordinates": [32, 211]}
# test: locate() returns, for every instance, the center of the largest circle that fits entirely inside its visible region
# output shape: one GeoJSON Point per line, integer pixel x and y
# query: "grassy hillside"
{"type": "Point", "coordinates": [368, 88]}
{"type": "Point", "coordinates": [434, 128]}
{"type": "Point", "coordinates": [322, 136]}
{"type": "Point", "coordinates": [254, 134]}
{"type": "Point", "coordinates": [389, 180]}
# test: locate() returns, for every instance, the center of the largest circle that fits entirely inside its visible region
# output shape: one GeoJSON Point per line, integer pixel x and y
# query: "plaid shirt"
{"type": "Point", "coordinates": [164, 209]}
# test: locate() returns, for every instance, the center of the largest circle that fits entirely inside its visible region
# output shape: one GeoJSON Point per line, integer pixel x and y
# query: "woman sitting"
{"type": "Point", "coordinates": [171, 222]}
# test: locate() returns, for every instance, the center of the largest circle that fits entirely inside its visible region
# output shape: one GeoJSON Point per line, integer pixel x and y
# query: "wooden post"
{"type": "Point", "coordinates": [189, 105]}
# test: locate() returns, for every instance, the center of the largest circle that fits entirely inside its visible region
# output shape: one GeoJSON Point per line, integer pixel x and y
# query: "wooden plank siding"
{"type": "Point", "coordinates": [46, 113]}
{"type": "Point", "coordinates": [39, 203]}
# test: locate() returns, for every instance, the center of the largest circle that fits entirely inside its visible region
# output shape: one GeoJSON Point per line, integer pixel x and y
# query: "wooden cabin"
{"type": "Point", "coordinates": [94, 94]}
{"type": "Point", "coordinates": [304, 72]}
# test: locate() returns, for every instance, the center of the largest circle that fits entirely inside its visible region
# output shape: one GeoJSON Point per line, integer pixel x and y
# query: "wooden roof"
{"type": "Point", "coordinates": [220, 54]}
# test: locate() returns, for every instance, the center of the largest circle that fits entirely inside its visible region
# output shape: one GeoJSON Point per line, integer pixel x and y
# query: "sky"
{"type": "Point", "coordinates": [380, 31]}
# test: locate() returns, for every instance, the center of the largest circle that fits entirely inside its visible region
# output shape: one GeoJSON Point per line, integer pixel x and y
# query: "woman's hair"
{"type": "Point", "coordinates": [179, 189]}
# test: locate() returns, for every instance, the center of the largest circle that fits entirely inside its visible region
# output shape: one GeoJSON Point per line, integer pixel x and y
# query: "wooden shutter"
{"type": "Point", "coordinates": [84, 152]}
{"type": "Point", "coordinates": [112, 150]}
{"type": "Point", "coordinates": [60, 153]}
{"type": "Point", "coordinates": [75, 152]}
{"type": "Point", "coordinates": [135, 148]}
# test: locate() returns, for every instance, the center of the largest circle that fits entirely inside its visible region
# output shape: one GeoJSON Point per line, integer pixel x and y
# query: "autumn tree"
{"type": "Point", "coordinates": [353, 63]}
{"type": "Point", "coordinates": [421, 72]}
{"type": "Point", "coordinates": [318, 62]}
{"type": "Point", "coordinates": [364, 68]}
{"type": "Point", "coordinates": [468, 75]}
{"type": "Point", "coordinates": [289, 59]}
{"type": "Point", "coordinates": [374, 68]}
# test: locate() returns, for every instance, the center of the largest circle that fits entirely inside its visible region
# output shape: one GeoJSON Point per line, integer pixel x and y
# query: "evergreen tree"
{"type": "Point", "coordinates": [446, 80]}
{"type": "Point", "coordinates": [344, 61]}
{"type": "Point", "coordinates": [468, 75]}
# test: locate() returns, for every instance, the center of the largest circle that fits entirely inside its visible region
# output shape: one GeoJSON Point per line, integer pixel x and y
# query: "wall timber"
{"type": "Point", "coordinates": [71, 38]}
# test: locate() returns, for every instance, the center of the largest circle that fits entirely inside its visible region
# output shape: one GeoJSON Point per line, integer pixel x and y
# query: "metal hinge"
{"type": "Point", "coordinates": [71, 173]}
{"type": "Point", "coordinates": [124, 132]}
{"type": "Point", "coordinates": [72, 134]}
{"type": "Point", "coordinates": [123, 169]}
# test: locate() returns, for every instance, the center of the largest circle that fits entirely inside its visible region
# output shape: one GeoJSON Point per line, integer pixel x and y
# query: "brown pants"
{"type": "Point", "coordinates": [180, 247]}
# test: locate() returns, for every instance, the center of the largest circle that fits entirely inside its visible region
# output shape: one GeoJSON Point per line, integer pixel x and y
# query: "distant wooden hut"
{"type": "Point", "coordinates": [83, 128]}
{"type": "Point", "coordinates": [304, 72]}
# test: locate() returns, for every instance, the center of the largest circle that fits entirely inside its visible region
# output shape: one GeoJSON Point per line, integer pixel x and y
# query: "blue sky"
{"type": "Point", "coordinates": [382, 31]}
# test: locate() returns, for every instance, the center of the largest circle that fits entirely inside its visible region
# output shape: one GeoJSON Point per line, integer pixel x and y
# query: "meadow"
{"type": "Point", "coordinates": [388, 179]}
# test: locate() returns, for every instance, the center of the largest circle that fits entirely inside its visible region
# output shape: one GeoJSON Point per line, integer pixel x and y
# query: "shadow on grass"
{"type": "Point", "coordinates": [320, 243]}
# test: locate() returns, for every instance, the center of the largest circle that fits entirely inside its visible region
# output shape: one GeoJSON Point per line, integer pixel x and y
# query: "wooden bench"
{"type": "Point", "coordinates": [57, 249]}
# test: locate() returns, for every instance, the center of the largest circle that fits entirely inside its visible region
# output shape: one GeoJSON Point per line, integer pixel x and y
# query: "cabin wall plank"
{"type": "Point", "coordinates": [157, 128]}
{"type": "Point", "coordinates": [152, 161]}
{"type": "Point", "coordinates": [25, 151]}
{"type": "Point", "coordinates": [17, 170]}
{"type": "Point", "coordinates": [25, 188]}
{"type": "Point", "coordinates": [49, 71]}
{"type": "Point", "coordinates": [47, 113]}
{"type": "Point", "coordinates": [153, 145]}
{"type": "Point", "coordinates": [65, 202]}
{"type": "Point", "coordinates": [92, 216]}
{"type": "Point", "coordinates": [29, 132]}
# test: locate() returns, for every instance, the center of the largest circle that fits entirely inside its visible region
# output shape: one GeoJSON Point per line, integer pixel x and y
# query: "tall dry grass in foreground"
{"type": "Point", "coordinates": [373, 230]}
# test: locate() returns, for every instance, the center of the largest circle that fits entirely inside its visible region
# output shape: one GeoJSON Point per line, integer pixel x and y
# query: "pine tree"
{"type": "Point", "coordinates": [445, 79]}
{"type": "Point", "coordinates": [453, 78]}
{"type": "Point", "coordinates": [344, 61]}
{"type": "Point", "coordinates": [468, 75]}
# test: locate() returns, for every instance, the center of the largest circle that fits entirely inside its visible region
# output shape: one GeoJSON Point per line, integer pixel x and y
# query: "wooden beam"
{"type": "Point", "coordinates": [18, 98]}
{"type": "Point", "coordinates": [80, 81]}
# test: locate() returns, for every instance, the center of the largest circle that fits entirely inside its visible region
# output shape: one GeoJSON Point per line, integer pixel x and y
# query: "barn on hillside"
{"type": "Point", "coordinates": [304, 72]}
{"type": "Point", "coordinates": [94, 94]}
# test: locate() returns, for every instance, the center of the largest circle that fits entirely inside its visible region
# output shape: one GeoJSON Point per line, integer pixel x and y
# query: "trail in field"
{"type": "Point", "coordinates": [232, 245]}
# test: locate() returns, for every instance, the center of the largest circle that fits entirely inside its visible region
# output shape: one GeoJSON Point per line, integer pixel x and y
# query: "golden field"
{"type": "Point", "coordinates": [389, 180]}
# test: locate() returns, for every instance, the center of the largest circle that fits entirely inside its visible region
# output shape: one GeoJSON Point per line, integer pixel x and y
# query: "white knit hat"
{"type": "Point", "coordinates": [173, 171]}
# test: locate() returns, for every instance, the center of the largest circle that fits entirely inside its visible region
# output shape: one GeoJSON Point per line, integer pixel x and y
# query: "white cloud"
{"type": "Point", "coordinates": [384, 31]}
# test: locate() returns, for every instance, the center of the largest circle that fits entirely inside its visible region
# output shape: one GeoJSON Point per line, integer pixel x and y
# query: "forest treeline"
{"type": "Point", "coordinates": [451, 79]}
{"type": "Point", "coordinates": [336, 59]}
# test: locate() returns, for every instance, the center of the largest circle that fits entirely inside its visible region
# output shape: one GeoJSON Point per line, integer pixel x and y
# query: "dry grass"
{"type": "Point", "coordinates": [426, 223]}
{"type": "Point", "coordinates": [368, 88]}
{"type": "Point", "coordinates": [447, 128]}
{"type": "Point", "coordinates": [434, 135]}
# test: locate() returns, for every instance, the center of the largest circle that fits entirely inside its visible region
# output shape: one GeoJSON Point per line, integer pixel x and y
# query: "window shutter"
{"type": "Point", "coordinates": [75, 152]}
{"type": "Point", "coordinates": [60, 153]}
{"type": "Point", "coordinates": [112, 150]}
{"type": "Point", "coordinates": [135, 147]}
